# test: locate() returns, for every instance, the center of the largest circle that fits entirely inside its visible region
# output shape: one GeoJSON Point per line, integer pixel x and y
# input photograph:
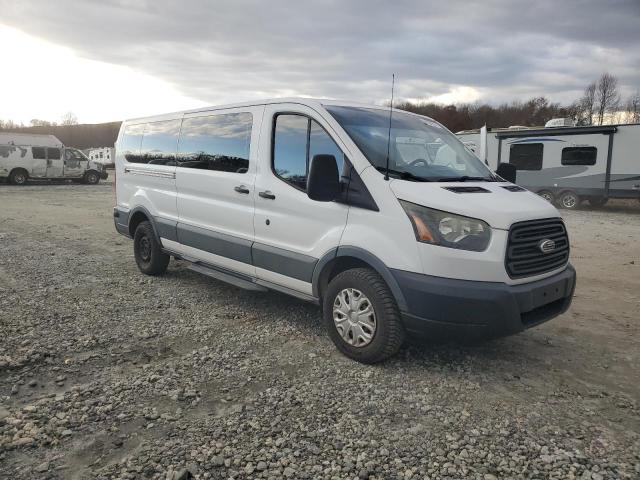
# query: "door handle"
{"type": "Point", "coordinates": [267, 194]}
{"type": "Point", "coordinates": [241, 189]}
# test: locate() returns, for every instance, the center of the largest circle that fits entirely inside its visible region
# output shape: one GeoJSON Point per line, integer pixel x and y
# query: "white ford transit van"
{"type": "Point", "coordinates": [295, 195]}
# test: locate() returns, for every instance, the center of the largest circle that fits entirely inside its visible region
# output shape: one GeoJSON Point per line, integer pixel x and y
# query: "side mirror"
{"type": "Point", "coordinates": [323, 183]}
{"type": "Point", "coordinates": [507, 171]}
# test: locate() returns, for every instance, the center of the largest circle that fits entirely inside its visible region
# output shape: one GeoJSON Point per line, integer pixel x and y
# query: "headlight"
{"type": "Point", "coordinates": [447, 229]}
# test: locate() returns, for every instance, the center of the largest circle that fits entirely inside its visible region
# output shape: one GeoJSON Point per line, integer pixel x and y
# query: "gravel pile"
{"type": "Point", "coordinates": [108, 374]}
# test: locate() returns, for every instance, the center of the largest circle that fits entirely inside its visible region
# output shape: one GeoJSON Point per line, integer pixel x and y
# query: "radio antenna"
{"type": "Point", "coordinates": [393, 81]}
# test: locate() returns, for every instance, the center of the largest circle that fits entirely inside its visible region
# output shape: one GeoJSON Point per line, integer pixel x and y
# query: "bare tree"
{"type": "Point", "coordinates": [10, 125]}
{"type": "Point", "coordinates": [69, 118]}
{"type": "Point", "coordinates": [586, 106]}
{"type": "Point", "coordinates": [633, 108]}
{"type": "Point", "coordinates": [607, 96]}
{"type": "Point", "coordinates": [36, 122]}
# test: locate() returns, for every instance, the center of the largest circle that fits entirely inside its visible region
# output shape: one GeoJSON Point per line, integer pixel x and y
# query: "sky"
{"type": "Point", "coordinates": [114, 59]}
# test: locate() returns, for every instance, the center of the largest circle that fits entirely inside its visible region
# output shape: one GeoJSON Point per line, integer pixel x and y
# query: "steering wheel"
{"type": "Point", "coordinates": [419, 162]}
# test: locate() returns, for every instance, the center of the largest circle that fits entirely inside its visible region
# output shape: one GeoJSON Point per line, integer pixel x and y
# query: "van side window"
{"type": "Point", "coordinates": [297, 139]}
{"type": "Point", "coordinates": [526, 156]}
{"type": "Point", "coordinates": [39, 153]}
{"type": "Point", "coordinates": [216, 142]}
{"type": "Point", "coordinates": [579, 156]}
{"type": "Point", "coordinates": [160, 143]}
{"type": "Point", "coordinates": [53, 153]}
{"type": "Point", "coordinates": [130, 142]}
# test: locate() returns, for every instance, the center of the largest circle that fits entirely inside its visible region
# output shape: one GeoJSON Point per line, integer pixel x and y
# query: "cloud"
{"type": "Point", "coordinates": [227, 51]}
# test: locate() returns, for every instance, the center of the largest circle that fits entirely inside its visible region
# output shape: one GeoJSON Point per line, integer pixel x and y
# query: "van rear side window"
{"type": "Point", "coordinates": [130, 143]}
{"type": "Point", "coordinates": [526, 156]}
{"type": "Point", "coordinates": [160, 143]}
{"type": "Point", "coordinates": [216, 142]}
{"type": "Point", "coordinates": [579, 156]}
{"type": "Point", "coordinates": [39, 153]}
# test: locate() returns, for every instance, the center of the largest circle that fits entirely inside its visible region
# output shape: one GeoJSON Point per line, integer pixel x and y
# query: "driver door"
{"type": "Point", "coordinates": [74, 163]}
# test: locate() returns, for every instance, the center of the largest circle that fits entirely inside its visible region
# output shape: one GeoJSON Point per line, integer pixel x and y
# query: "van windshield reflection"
{"type": "Point", "coordinates": [420, 149]}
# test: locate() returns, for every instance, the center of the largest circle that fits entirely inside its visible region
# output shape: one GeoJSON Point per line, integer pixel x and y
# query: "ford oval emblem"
{"type": "Point", "coordinates": [547, 246]}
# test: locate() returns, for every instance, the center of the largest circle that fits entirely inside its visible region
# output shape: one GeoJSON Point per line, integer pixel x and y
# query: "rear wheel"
{"type": "Point", "coordinates": [547, 195]}
{"type": "Point", "coordinates": [150, 258]}
{"type": "Point", "coordinates": [18, 177]}
{"type": "Point", "coordinates": [569, 200]}
{"type": "Point", "coordinates": [597, 202]}
{"type": "Point", "coordinates": [361, 316]}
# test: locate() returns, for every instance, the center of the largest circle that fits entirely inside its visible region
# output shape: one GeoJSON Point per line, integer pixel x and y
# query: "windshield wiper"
{"type": "Point", "coordinates": [465, 178]}
{"type": "Point", "coordinates": [404, 175]}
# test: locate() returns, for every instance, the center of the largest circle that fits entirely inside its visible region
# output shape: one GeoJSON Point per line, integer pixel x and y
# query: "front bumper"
{"type": "Point", "coordinates": [443, 307]}
{"type": "Point", "coordinates": [104, 175]}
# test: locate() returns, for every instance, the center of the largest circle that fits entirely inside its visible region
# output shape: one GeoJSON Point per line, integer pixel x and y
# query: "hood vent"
{"type": "Point", "coordinates": [513, 188]}
{"type": "Point", "coordinates": [467, 189]}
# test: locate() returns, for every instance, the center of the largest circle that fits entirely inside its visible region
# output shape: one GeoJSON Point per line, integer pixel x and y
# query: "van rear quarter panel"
{"type": "Point", "coordinates": [150, 186]}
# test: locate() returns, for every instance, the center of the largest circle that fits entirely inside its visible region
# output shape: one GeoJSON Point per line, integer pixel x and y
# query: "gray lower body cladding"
{"type": "Point", "coordinates": [443, 307]}
{"type": "Point", "coordinates": [291, 264]}
{"type": "Point", "coordinates": [431, 305]}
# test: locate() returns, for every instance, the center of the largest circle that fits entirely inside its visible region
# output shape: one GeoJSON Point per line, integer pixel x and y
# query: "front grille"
{"type": "Point", "coordinates": [524, 256]}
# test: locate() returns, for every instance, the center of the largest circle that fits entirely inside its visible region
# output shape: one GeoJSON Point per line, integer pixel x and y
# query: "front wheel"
{"type": "Point", "coordinates": [91, 177]}
{"type": "Point", "coordinates": [547, 195]}
{"type": "Point", "coordinates": [569, 200]}
{"type": "Point", "coordinates": [149, 256]}
{"type": "Point", "coordinates": [362, 317]}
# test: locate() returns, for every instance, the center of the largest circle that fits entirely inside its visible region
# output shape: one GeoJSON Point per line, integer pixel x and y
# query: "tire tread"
{"type": "Point", "coordinates": [390, 315]}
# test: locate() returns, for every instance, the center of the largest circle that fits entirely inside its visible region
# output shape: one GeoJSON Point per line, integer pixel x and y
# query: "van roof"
{"type": "Point", "coordinates": [29, 139]}
{"type": "Point", "coordinates": [310, 102]}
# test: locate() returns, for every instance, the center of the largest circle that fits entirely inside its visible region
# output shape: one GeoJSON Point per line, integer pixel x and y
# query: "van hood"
{"type": "Point", "coordinates": [498, 206]}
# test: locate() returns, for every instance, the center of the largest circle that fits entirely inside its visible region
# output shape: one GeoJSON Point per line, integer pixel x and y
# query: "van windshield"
{"type": "Point", "coordinates": [420, 148]}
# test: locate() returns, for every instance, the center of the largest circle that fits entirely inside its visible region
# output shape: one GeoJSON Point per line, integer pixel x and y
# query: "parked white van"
{"type": "Point", "coordinates": [44, 157]}
{"type": "Point", "coordinates": [295, 195]}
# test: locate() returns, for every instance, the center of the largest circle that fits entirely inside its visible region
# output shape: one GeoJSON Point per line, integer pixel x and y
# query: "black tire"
{"type": "Point", "coordinates": [389, 334]}
{"type": "Point", "coordinates": [597, 202]}
{"type": "Point", "coordinates": [569, 200]}
{"type": "Point", "coordinates": [18, 176]}
{"type": "Point", "coordinates": [91, 177]}
{"type": "Point", "coordinates": [150, 258]}
{"type": "Point", "coordinates": [547, 195]}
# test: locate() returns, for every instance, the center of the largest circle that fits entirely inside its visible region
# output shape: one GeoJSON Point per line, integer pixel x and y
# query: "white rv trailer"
{"type": "Point", "coordinates": [567, 164]}
{"type": "Point", "coordinates": [44, 157]}
{"type": "Point", "coordinates": [102, 155]}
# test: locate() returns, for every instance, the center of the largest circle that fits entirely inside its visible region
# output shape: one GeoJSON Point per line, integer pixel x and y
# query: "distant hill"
{"type": "Point", "coordinates": [81, 136]}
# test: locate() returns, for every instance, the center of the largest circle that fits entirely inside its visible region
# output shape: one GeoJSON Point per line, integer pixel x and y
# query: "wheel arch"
{"type": "Point", "coordinates": [138, 215]}
{"type": "Point", "coordinates": [15, 169]}
{"type": "Point", "coordinates": [346, 257]}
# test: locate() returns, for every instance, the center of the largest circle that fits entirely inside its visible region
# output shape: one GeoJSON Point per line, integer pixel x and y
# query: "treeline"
{"type": "Point", "coordinates": [600, 103]}
{"type": "Point", "coordinates": [79, 136]}
{"type": "Point", "coordinates": [536, 111]}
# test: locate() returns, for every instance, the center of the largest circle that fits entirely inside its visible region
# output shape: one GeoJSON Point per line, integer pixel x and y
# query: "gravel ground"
{"type": "Point", "coordinates": [105, 373]}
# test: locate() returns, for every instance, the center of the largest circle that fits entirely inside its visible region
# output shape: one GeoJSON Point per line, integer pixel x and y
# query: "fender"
{"type": "Point", "coordinates": [151, 218]}
{"type": "Point", "coordinates": [365, 256]}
